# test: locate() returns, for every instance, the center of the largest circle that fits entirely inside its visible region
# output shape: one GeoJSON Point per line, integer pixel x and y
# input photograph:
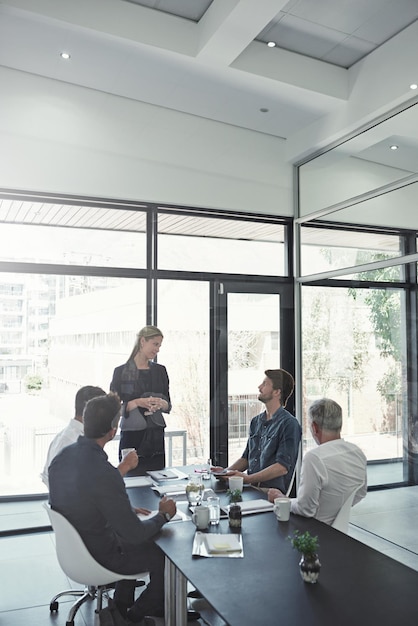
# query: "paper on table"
{"type": "Point", "coordinates": [254, 506]}
{"type": "Point", "coordinates": [167, 474]}
{"type": "Point", "coordinates": [178, 517]}
{"type": "Point", "coordinates": [137, 481]}
{"type": "Point", "coordinates": [200, 546]}
{"type": "Point", "coordinates": [217, 543]}
{"type": "Point", "coordinates": [177, 488]}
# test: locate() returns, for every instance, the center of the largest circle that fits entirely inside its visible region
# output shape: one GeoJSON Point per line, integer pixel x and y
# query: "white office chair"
{"type": "Point", "coordinates": [78, 564]}
{"type": "Point", "coordinates": [292, 480]}
{"type": "Point", "coordinates": [343, 516]}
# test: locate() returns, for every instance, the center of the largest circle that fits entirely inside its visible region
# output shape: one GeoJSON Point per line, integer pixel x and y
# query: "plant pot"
{"type": "Point", "coordinates": [310, 567]}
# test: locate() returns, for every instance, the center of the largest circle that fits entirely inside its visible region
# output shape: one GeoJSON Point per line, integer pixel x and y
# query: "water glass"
{"type": "Point", "coordinates": [206, 474]}
{"type": "Point", "coordinates": [194, 489]}
{"type": "Point", "coordinates": [214, 509]}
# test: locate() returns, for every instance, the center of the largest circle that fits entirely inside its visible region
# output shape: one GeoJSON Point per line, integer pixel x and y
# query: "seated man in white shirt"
{"type": "Point", "coordinates": [330, 472]}
{"type": "Point", "coordinates": [75, 428]}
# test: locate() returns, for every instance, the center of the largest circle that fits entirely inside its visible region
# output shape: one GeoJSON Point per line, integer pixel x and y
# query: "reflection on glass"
{"type": "Point", "coordinates": [361, 164]}
{"type": "Point", "coordinates": [253, 347]}
{"type": "Point", "coordinates": [325, 249]}
{"type": "Point", "coordinates": [353, 352]}
{"type": "Point", "coordinates": [57, 334]}
{"type": "Point", "coordinates": [394, 209]}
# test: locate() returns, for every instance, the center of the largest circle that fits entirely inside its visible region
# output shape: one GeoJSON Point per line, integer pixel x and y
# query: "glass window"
{"type": "Point", "coordinates": [85, 326]}
{"type": "Point", "coordinates": [183, 316]}
{"type": "Point", "coordinates": [71, 235]}
{"type": "Point", "coordinates": [361, 164]}
{"type": "Point", "coordinates": [202, 244]}
{"type": "Point", "coordinates": [327, 249]}
{"type": "Point", "coordinates": [353, 351]}
{"type": "Point", "coordinates": [253, 346]}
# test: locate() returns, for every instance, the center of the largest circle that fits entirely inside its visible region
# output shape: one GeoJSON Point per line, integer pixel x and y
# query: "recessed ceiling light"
{"type": "Point", "coordinates": [413, 86]}
{"type": "Point", "coordinates": [264, 110]}
{"type": "Point", "coordinates": [394, 147]}
{"type": "Point", "coordinates": [271, 44]}
{"type": "Point", "coordinates": [65, 55]}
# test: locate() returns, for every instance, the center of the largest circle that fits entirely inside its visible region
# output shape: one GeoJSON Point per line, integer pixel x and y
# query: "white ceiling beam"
{"type": "Point", "coordinates": [290, 68]}
{"type": "Point", "coordinates": [379, 83]}
{"type": "Point", "coordinates": [124, 20]}
{"type": "Point", "coordinates": [229, 26]}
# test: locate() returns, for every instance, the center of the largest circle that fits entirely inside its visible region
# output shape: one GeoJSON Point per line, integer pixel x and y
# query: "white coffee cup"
{"type": "Point", "coordinates": [282, 509]}
{"type": "Point", "coordinates": [214, 509]}
{"type": "Point", "coordinates": [126, 451]}
{"type": "Point", "coordinates": [236, 482]}
{"type": "Point", "coordinates": [201, 517]}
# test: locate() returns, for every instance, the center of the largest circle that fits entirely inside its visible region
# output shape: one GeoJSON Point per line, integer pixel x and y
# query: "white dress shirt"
{"type": "Point", "coordinates": [66, 437]}
{"type": "Point", "coordinates": [329, 474]}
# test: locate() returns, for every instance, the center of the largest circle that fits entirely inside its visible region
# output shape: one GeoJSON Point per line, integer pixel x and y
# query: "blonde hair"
{"type": "Point", "coordinates": [147, 333]}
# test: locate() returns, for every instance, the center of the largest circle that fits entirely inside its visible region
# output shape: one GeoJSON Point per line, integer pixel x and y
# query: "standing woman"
{"type": "Point", "coordinates": [143, 387]}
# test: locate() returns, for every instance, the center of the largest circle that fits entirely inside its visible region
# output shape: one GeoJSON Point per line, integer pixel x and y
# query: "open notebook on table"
{"type": "Point", "coordinates": [166, 474]}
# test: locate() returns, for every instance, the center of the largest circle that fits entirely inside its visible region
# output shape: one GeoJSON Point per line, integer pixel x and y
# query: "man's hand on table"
{"type": "Point", "coordinates": [167, 505]}
{"type": "Point", "coordinates": [272, 494]}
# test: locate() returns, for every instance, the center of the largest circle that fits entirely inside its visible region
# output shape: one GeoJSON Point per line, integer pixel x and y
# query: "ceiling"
{"type": "Point", "coordinates": [208, 58]}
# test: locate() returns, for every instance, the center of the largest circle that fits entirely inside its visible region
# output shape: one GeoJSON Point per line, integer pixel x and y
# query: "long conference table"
{"type": "Point", "coordinates": [357, 584]}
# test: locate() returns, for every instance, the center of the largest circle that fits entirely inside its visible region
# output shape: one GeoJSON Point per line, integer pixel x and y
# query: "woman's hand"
{"type": "Point", "coordinates": [150, 403]}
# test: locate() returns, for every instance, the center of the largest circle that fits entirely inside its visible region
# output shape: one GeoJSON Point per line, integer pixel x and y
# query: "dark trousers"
{"type": "Point", "coordinates": [146, 558]}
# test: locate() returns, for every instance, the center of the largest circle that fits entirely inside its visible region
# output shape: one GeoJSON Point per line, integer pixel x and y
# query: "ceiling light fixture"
{"type": "Point", "coordinates": [65, 55]}
{"type": "Point", "coordinates": [271, 44]}
{"type": "Point", "coordinates": [394, 147]}
{"type": "Point", "coordinates": [413, 86]}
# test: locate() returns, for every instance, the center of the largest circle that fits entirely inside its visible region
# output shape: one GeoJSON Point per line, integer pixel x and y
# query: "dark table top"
{"type": "Point", "coordinates": [357, 585]}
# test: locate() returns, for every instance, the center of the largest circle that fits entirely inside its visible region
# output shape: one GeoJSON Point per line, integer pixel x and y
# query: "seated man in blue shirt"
{"type": "Point", "coordinates": [272, 448]}
{"type": "Point", "coordinates": [91, 494]}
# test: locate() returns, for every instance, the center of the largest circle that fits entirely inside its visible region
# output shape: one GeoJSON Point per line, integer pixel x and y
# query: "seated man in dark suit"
{"type": "Point", "coordinates": [91, 494]}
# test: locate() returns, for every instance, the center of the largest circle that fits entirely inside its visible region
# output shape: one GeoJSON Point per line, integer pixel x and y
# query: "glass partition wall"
{"type": "Point", "coordinates": [356, 277]}
{"type": "Point", "coordinates": [79, 278]}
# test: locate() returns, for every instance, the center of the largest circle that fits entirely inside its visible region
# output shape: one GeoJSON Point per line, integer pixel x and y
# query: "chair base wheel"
{"type": "Point", "coordinates": [53, 607]}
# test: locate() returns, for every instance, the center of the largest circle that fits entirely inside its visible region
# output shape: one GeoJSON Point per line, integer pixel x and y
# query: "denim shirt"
{"type": "Point", "coordinates": [273, 441]}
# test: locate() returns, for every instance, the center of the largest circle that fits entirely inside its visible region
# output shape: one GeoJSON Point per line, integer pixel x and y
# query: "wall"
{"type": "Point", "coordinates": [60, 138]}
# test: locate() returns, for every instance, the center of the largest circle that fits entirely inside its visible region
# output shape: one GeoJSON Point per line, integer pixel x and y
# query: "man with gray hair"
{"type": "Point", "coordinates": [330, 472]}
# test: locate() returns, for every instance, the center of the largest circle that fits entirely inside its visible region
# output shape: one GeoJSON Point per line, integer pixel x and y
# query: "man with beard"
{"type": "Point", "coordinates": [272, 448]}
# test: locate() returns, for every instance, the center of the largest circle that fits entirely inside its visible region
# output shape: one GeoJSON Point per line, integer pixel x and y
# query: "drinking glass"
{"type": "Point", "coordinates": [194, 489]}
{"type": "Point", "coordinates": [214, 509]}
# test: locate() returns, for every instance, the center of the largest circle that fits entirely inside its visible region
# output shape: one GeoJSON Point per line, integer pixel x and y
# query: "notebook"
{"type": "Point", "coordinates": [221, 544]}
{"type": "Point", "coordinates": [166, 474]}
{"type": "Point", "coordinates": [253, 506]}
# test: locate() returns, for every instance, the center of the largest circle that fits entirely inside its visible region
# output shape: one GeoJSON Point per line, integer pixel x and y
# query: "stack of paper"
{"type": "Point", "coordinates": [137, 481]}
{"type": "Point", "coordinates": [221, 544]}
{"type": "Point", "coordinates": [254, 506]}
{"type": "Point", "coordinates": [171, 489]}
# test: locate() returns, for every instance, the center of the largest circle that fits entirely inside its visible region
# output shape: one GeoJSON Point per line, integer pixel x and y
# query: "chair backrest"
{"type": "Point", "coordinates": [292, 480]}
{"type": "Point", "coordinates": [74, 558]}
{"type": "Point", "coordinates": [343, 516]}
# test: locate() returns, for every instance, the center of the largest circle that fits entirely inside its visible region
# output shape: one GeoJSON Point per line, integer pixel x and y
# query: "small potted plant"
{"type": "Point", "coordinates": [309, 564]}
{"type": "Point", "coordinates": [235, 495]}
